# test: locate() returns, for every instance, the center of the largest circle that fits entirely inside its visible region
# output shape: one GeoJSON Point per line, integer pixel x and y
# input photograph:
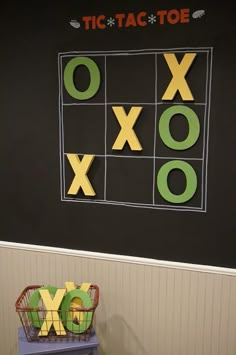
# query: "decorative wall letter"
{"type": "Point", "coordinates": [178, 82]}
{"type": "Point", "coordinates": [52, 316]}
{"type": "Point", "coordinates": [94, 78]}
{"type": "Point", "coordinates": [80, 169]}
{"type": "Point", "coordinates": [191, 181]}
{"type": "Point", "coordinates": [193, 122]}
{"type": "Point", "coordinates": [127, 123]}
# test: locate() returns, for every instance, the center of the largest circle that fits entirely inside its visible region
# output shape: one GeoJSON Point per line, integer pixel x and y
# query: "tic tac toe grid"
{"type": "Point", "coordinates": [133, 78]}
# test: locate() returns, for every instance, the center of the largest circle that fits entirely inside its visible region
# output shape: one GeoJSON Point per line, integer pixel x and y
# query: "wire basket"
{"type": "Point", "coordinates": [72, 320]}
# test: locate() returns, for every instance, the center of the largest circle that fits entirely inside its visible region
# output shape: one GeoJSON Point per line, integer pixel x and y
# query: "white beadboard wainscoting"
{"type": "Point", "coordinates": [146, 306]}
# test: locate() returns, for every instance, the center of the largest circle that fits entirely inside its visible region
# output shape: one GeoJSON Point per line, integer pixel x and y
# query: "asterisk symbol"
{"type": "Point", "coordinates": [152, 19]}
{"type": "Point", "coordinates": [110, 21]}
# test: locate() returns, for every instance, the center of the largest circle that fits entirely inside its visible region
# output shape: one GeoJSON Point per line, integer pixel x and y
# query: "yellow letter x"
{"type": "Point", "coordinates": [80, 169]}
{"type": "Point", "coordinates": [127, 133]}
{"type": "Point", "coordinates": [178, 81]}
{"type": "Point", "coordinates": [52, 316]}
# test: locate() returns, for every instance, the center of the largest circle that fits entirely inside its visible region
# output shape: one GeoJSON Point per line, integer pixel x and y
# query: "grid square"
{"type": "Point", "coordinates": [177, 184]}
{"type": "Point", "coordinates": [145, 124]}
{"type": "Point", "coordinates": [82, 80]}
{"type": "Point", "coordinates": [195, 77]}
{"type": "Point", "coordinates": [179, 130]}
{"type": "Point", "coordinates": [128, 70]}
{"type": "Point", "coordinates": [84, 129]}
{"type": "Point", "coordinates": [130, 180]}
{"type": "Point", "coordinates": [96, 178]}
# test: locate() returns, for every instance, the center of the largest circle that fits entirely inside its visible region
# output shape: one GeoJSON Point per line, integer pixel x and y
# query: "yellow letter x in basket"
{"type": "Point", "coordinates": [52, 316]}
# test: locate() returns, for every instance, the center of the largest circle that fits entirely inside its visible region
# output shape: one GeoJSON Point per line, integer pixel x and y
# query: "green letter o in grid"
{"type": "Point", "coordinates": [94, 78]}
{"type": "Point", "coordinates": [164, 127]}
{"type": "Point", "coordinates": [191, 181]}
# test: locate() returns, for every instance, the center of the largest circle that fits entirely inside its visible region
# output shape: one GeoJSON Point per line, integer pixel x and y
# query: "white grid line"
{"type": "Point", "coordinates": [134, 103]}
{"type": "Point", "coordinates": [181, 103]}
{"type": "Point", "coordinates": [208, 123]}
{"type": "Point", "coordinates": [62, 130]}
{"type": "Point", "coordinates": [136, 205]}
{"type": "Point", "coordinates": [204, 136]}
{"type": "Point", "coordinates": [60, 122]}
{"type": "Point", "coordinates": [140, 157]}
{"type": "Point", "coordinates": [137, 52]}
{"type": "Point", "coordinates": [155, 129]}
{"type": "Point", "coordinates": [206, 126]}
{"type": "Point", "coordinates": [105, 173]}
{"type": "Point", "coordinates": [131, 203]}
{"type": "Point", "coordinates": [128, 54]}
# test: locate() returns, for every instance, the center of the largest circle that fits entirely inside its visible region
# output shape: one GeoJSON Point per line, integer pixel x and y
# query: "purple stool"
{"type": "Point", "coordinates": [62, 347]}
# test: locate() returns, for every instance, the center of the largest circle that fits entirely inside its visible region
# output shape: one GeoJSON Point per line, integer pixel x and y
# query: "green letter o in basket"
{"type": "Point", "coordinates": [34, 302]}
{"type": "Point", "coordinates": [66, 314]}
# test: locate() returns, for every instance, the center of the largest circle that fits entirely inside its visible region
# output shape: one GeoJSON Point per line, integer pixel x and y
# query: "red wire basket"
{"type": "Point", "coordinates": [72, 320]}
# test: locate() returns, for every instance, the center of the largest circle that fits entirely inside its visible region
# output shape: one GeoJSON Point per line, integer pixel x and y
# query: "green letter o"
{"type": "Point", "coordinates": [191, 181]}
{"type": "Point", "coordinates": [164, 127]}
{"type": "Point", "coordinates": [66, 313]}
{"type": "Point", "coordinates": [34, 316]}
{"type": "Point", "coordinates": [94, 78]}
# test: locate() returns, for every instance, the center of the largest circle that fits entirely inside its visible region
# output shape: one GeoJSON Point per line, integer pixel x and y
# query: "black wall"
{"type": "Point", "coordinates": [32, 209]}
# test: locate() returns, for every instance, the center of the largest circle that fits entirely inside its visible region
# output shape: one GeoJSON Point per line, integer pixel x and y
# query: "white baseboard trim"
{"type": "Point", "coordinates": [120, 258]}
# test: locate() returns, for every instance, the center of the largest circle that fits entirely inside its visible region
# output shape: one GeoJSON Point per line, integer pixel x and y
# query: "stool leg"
{"type": "Point", "coordinates": [95, 351]}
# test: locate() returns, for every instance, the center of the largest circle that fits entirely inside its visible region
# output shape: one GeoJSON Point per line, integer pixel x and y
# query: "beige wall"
{"type": "Point", "coordinates": [143, 309]}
